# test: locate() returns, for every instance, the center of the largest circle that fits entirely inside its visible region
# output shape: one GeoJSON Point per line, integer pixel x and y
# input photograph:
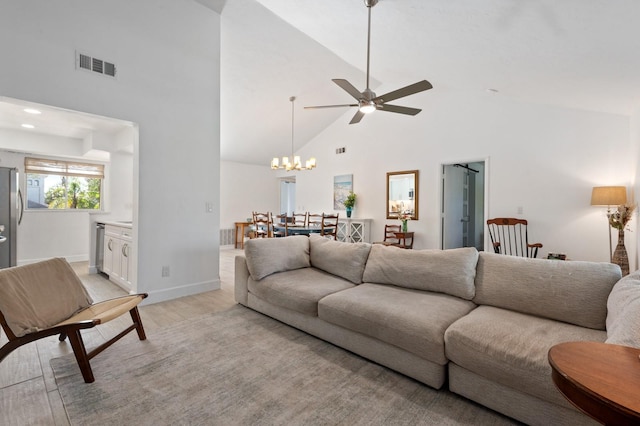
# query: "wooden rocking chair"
{"type": "Point", "coordinates": [47, 298]}
{"type": "Point", "coordinates": [510, 236]}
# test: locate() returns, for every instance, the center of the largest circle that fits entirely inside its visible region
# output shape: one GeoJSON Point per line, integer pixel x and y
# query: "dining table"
{"type": "Point", "coordinates": [297, 229]}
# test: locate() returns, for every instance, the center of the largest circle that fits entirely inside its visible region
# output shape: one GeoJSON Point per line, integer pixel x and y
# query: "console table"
{"type": "Point", "coordinates": [240, 226]}
{"type": "Point", "coordinates": [601, 379]}
{"type": "Point", "coordinates": [402, 238]}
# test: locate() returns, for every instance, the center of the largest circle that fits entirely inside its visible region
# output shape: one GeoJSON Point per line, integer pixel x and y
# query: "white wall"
{"type": "Point", "coordinates": [544, 159]}
{"type": "Point", "coordinates": [168, 57]}
{"type": "Point", "coordinates": [245, 188]}
{"type": "Point", "coordinates": [634, 154]}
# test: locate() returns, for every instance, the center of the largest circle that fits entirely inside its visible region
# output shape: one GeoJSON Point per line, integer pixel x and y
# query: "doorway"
{"type": "Point", "coordinates": [463, 205]}
{"type": "Point", "coordinates": [287, 195]}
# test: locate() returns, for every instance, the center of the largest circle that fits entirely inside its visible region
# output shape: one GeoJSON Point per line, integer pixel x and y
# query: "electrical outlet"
{"type": "Point", "coordinates": [520, 210]}
{"type": "Point", "coordinates": [166, 271]}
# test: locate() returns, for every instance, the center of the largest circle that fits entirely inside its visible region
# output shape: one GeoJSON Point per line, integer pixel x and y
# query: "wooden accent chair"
{"type": "Point", "coordinates": [390, 238]}
{"type": "Point", "coordinates": [262, 225]}
{"type": "Point", "coordinates": [509, 236]}
{"type": "Point", "coordinates": [329, 225]}
{"type": "Point", "coordinates": [47, 298]}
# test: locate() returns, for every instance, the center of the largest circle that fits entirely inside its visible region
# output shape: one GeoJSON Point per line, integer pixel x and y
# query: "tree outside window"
{"type": "Point", "coordinates": [69, 185]}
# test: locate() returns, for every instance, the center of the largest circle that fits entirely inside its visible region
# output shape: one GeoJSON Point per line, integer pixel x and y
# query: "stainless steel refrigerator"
{"type": "Point", "coordinates": [11, 209]}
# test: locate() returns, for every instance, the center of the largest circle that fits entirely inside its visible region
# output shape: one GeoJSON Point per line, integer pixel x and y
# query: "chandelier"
{"type": "Point", "coordinates": [295, 163]}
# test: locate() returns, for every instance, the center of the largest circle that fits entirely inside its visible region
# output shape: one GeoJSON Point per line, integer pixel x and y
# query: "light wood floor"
{"type": "Point", "coordinates": [28, 391]}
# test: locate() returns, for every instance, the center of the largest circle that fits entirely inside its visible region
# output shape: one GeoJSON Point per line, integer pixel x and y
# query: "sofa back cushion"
{"type": "Point", "coordinates": [444, 271]}
{"type": "Point", "coordinates": [346, 260]}
{"type": "Point", "coordinates": [623, 312]}
{"type": "Point", "coordinates": [266, 256]}
{"type": "Point", "coordinates": [570, 291]}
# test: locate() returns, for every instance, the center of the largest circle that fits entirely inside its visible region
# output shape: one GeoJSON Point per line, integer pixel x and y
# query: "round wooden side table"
{"type": "Point", "coordinates": [601, 379]}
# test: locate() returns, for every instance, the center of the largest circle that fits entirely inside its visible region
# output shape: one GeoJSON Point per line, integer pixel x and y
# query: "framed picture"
{"type": "Point", "coordinates": [342, 185]}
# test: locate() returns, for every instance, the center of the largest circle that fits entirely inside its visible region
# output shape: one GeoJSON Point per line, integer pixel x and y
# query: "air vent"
{"type": "Point", "coordinates": [99, 66]}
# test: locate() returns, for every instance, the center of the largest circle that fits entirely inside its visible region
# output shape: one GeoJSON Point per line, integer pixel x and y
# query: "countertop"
{"type": "Point", "coordinates": [120, 223]}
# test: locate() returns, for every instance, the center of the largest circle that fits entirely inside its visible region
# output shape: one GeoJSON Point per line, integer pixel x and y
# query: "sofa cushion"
{"type": "Point", "coordinates": [410, 319]}
{"type": "Point", "coordinates": [266, 256]}
{"type": "Point", "coordinates": [623, 312]}
{"type": "Point", "coordinates": [345, 260]}
{"type": "Point", "coordinates": [299, 289]}
{"type": "Point", "coordinates": [443, 271]}
{"type": "Point", "coordinates": [511, 348]}
{"type": "Point", "coordinates": [570, 291]}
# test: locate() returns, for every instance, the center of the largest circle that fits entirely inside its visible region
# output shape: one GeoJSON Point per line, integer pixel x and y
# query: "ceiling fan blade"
{"type": "Point", "coordinates": [356, 118]}
{"type": "Point", "coordinates": [330, 106]}
{"type": "Point", "coordinates": [398, 109]}
{"type": "Point", "coordinates": [348, 87]}
{"type": "Point", "coordinates": [420, 86]}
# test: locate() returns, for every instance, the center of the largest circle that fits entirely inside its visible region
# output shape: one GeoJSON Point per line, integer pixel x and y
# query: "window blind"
{"type": "Point", "coordinates": [64, 168]}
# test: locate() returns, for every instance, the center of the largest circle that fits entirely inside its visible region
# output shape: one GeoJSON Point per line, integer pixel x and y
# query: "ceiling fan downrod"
{"type": "Point", "coordinates": [369, 4]}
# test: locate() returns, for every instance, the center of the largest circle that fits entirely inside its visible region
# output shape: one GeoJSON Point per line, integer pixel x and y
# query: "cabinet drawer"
{"type": "Point", "coordinates": [118, 231]}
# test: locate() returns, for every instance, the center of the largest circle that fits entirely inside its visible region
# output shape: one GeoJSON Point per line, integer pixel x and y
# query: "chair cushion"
{"type": "Point", "coordinates": [443, 271]}
{"type": "Point", "coordinates": [511, 348]}
{"type": "Point", "coordinates": [37, 296]}
{"type": "Point", "coordinates": [570, 291]}
{"type": "Point", "coordinates": [346, 260]}
{"type": "Point", "coordinates": [266, 256]}
{"type": "Point", "coordinates": [623, 312]}
{"type": "Point", "coordinates": [409, 319]}
{"type": "Point", "coordinates": [298, 290]}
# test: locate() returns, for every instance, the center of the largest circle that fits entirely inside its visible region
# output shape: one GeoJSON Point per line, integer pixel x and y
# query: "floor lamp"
{"type": "Point", "coordinates": [609, 196]}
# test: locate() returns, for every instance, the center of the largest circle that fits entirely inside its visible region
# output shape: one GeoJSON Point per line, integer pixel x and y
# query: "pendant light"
{"type": "Point", "coordinates": [295, 163]}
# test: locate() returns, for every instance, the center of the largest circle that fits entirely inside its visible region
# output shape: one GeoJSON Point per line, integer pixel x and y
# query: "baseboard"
{"type": "Point", "coordinates": [70, 259]}
{"type": "Point", "coordinates": [165, 294]}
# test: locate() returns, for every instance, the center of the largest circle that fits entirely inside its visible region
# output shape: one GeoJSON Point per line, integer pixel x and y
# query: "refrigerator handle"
{"type": "Point", "coordinates": [21, 206]}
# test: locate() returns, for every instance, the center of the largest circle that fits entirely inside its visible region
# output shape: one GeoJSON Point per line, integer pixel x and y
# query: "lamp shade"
{"type": "Point", "coordinates": [608, 195]}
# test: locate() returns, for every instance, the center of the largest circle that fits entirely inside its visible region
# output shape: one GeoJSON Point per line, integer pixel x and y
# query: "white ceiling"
{"type": "Point", "coordinates": [580, 54]}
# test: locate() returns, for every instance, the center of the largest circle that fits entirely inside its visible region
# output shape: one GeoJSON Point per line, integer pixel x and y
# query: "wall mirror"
{"type": "Point", "coordinates": [402, 194]}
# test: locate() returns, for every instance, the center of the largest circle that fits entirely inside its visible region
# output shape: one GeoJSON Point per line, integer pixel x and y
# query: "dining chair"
{"type": "Point", "coordinates": [329, 225]}
{"type": "Point", "coordinates": [262, 225]}
{"type": "Point", "coordinates": [314, 220]}
{"type": "Point", "coordinates": [510, 236]}
{"type": "Point", "coordinates": [390, 237]}
{"type": "Point", "coordinates": [47, 298]}
{"type": "Point", "coordinates": [282, 222]}
{"type": "Point", "coordinates": [300, 219]}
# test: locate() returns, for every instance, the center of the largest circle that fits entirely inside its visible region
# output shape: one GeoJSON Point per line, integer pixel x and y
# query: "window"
{"type": "Point", "coordinates": [61, 185]}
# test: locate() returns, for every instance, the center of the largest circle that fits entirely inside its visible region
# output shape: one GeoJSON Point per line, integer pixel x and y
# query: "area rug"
{"type": "Point", "coordinates": [240, 367]}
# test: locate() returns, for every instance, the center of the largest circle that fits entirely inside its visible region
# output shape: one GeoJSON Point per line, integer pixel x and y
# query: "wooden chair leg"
{"type": "Point", "coordinates": [62, 336]}
{"type": "Point", "coordinates": [135, 317]}
{"type": "Point", "coordinates": [75, 338]}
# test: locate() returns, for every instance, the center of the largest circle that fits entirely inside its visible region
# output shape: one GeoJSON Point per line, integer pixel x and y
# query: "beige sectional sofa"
{"type": "Point", "coordinates": [481, 322]}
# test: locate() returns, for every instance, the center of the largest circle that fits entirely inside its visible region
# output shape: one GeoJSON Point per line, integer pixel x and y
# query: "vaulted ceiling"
{"type": "Point", "coordinates": [573, 53]}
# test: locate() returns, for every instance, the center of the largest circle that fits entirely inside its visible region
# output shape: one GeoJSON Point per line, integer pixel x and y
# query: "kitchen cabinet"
{"type": "Point", "coordinates": [353, 230]}
{"type": "Point", "coordinates": [118, 247]}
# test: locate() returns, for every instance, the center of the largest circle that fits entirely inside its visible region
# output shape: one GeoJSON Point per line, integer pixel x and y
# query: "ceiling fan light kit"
{"type": "Point", "coordinates": [368, 102]}
{"type": "Point", "coordinates": [295, 163]}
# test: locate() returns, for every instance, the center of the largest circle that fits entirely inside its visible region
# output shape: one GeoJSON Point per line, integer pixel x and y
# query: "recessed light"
{"type": "Point", "coordinates": [28, 126]}
{"type": "Point", "coordinates": [32, 111]}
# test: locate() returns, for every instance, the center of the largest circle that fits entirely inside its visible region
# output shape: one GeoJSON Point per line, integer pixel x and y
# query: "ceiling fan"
{"type": "Point", "coordinates": [367, 100]}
